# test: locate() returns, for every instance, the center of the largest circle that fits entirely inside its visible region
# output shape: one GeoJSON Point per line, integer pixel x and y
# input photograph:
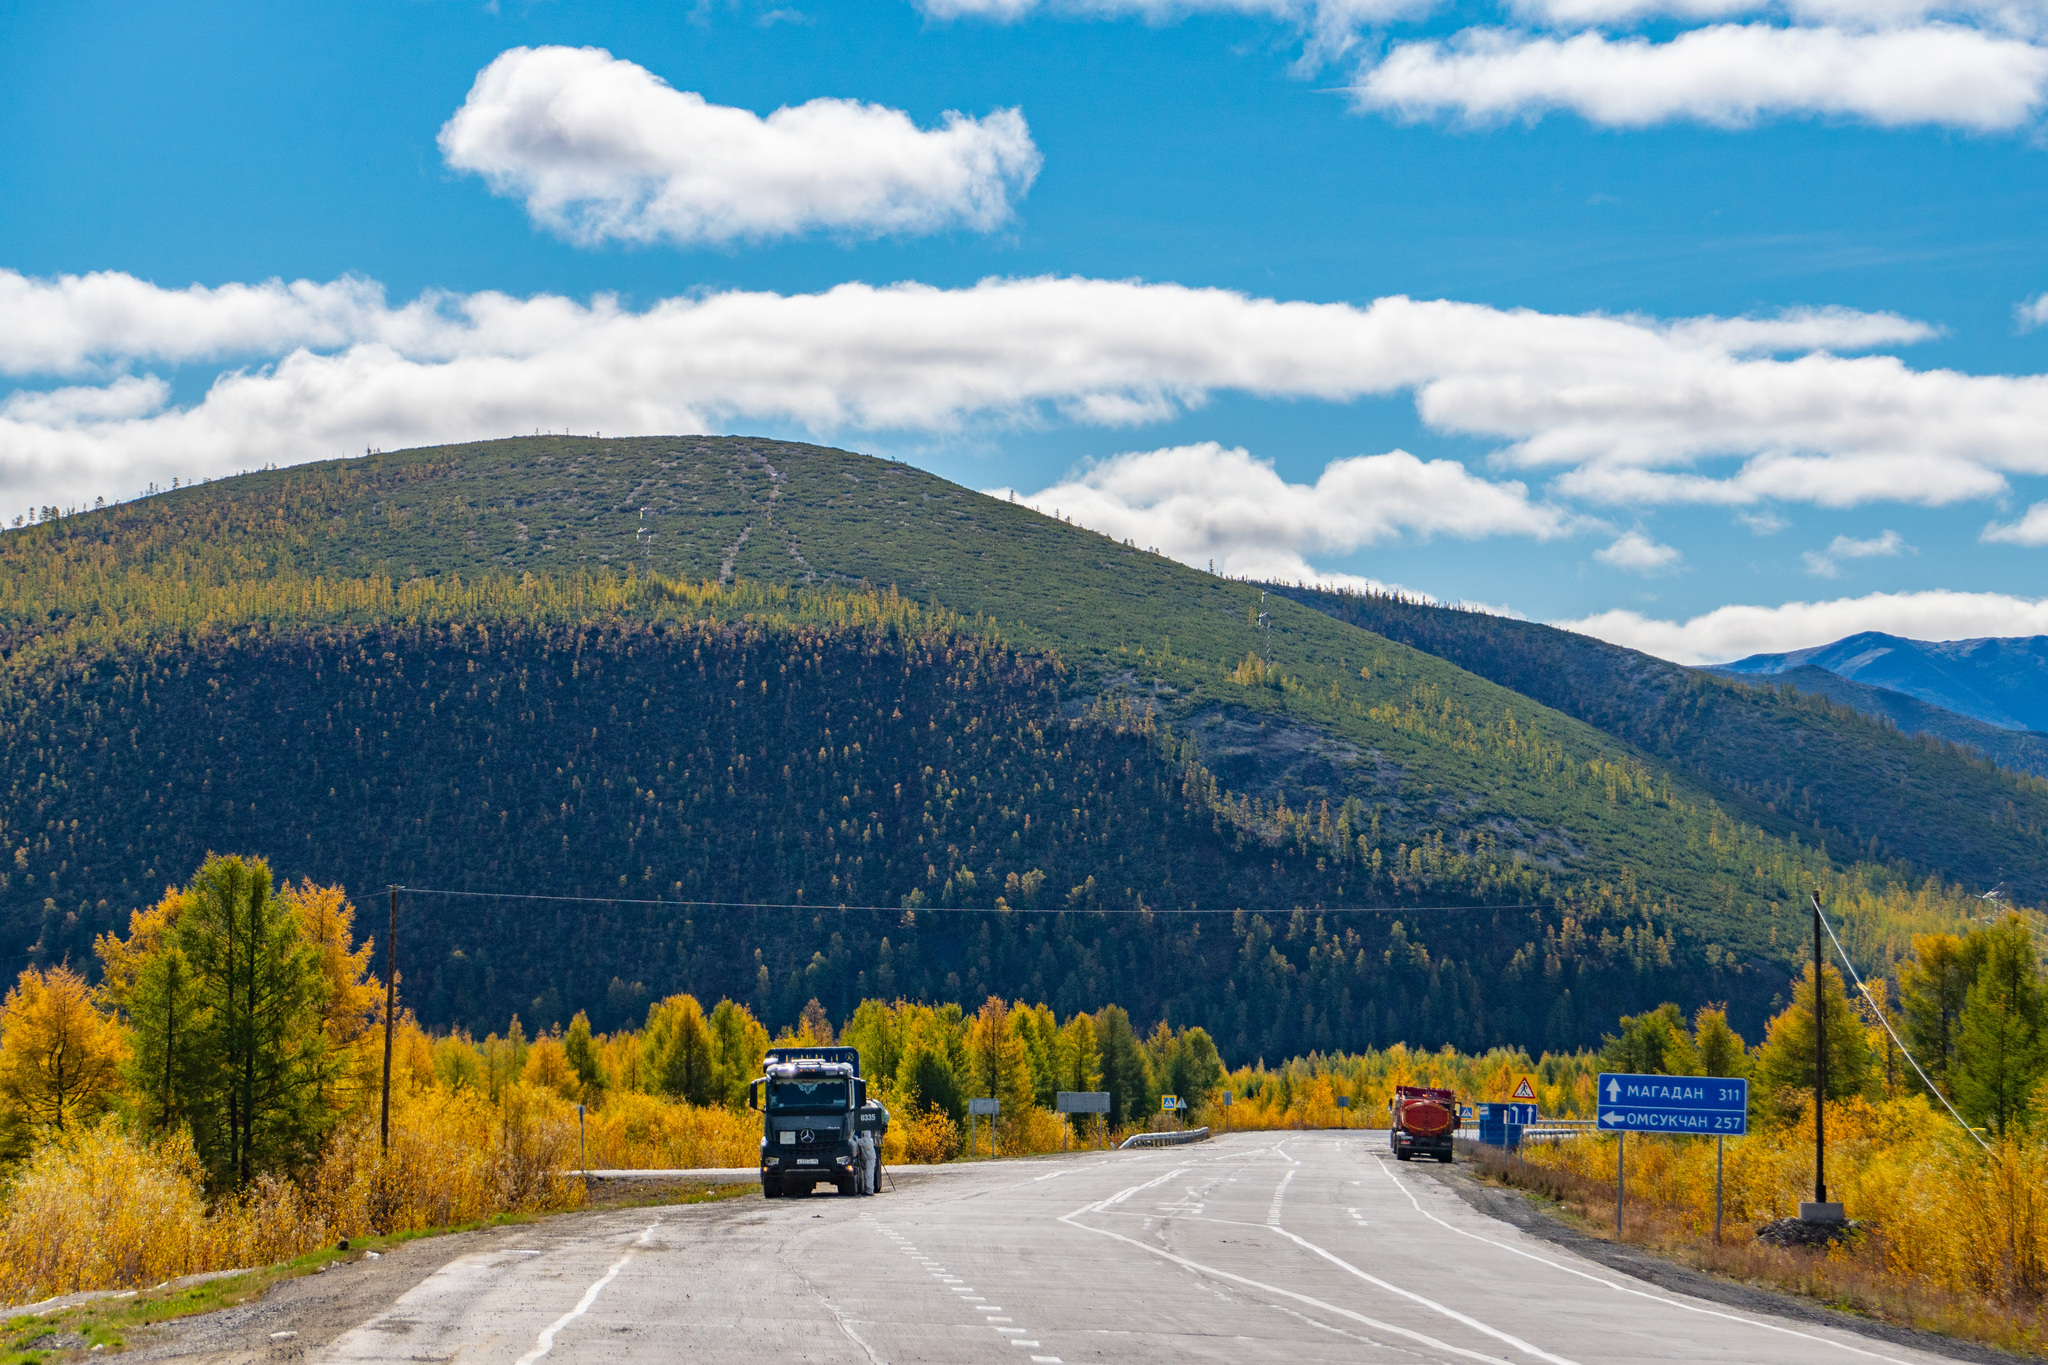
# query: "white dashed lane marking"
{"type": "Point", "coordinates": [937, 1270]}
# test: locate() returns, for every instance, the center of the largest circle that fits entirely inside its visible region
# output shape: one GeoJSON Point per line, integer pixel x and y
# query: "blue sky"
{"type": "Point", "coordinates": [1495, 158]}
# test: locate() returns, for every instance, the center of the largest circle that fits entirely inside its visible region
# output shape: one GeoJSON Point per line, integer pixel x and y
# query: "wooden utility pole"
{"type": "Point", "coordinates": [1820, 1068]}
{"type": "Point", "coordinates": [390, 1005]}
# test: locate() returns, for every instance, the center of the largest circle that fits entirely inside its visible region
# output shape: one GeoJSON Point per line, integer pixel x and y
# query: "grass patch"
{"type": "Point", "coordinates": [642, 1194]}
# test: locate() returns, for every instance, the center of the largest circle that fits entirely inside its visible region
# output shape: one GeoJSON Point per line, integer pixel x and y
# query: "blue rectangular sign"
{"type": "Point", "coordinates": [1710, 1106]}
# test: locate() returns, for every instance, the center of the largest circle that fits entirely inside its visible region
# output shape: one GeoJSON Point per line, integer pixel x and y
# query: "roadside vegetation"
{"type": "Point", "coordinates": [1950, 1214]}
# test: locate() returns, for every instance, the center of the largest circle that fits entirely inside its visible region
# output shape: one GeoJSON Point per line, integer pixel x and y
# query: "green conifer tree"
{"type": "Point", "coordinates": [1934, 985]}
{"type": "Point", "coordinates": [1720, 1048]}
{"type": "Point", "coordinates": [581, 1049]}
{"type": "Point", "coordinates": [680, 1053]}
{"type": "Point", "coordinates": [1785, 1061]}
{"type": "Point", "coordinates": [255, 1061]}
{"type": "Point", "coordinates": [2002, 1041]}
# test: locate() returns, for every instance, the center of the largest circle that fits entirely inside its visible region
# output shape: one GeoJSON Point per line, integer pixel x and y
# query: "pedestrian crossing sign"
{"type": "Point", "coordinates": [1525, 1089]}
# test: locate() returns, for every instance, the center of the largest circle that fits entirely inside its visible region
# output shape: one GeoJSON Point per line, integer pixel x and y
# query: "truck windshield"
{"type": "Point", "coordinates": [827, 1095]}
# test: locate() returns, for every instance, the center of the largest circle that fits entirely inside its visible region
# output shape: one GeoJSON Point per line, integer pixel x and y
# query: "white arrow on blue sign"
{"type": "Point", "coordinates": [1708, 1106]}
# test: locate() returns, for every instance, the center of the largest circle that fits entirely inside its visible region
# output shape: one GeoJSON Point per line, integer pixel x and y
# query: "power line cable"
{"type": "Point", "coordinates": [1879, 1012]}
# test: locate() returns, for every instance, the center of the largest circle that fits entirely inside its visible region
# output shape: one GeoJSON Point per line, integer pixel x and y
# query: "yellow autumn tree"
{"type": "Point", "coordinates": [547, 1067]}
{"type": "Point", "coordinates": [999, 1067]}
{"type": "Point", "coordinates": [354, 1008]}
{"type": "Point", "coordinates": [122, 961]}
{"type": "Point", "coordinates": [60, 1058]}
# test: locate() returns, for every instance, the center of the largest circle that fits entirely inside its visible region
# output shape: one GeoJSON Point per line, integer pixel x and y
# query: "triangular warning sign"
{"type": "Point", "coordinates": [1526, 1090]}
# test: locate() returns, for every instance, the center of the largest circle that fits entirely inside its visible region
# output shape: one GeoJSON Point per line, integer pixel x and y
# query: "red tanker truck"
{"type": "Point", "coordinates": [1424, 1119]}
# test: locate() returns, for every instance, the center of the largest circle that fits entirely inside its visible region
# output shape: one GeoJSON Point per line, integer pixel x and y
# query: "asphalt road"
{"type": "Point", "coordinates": [1267, 1247]}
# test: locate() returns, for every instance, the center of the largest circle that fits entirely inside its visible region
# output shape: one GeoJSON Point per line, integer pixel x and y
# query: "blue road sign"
{"type": "Point", "coordinates": [1709, 1106]}
{"type": "Point", "coordinates": [1522, 1115]}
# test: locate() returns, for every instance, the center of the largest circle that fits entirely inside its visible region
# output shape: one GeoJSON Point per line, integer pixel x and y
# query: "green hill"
{"type": "Point", "coordinates": [486, 668]}
{"type": "Point", "coordinates": [1816, 766]}
{"type": "Point", "coordinates": [2022, 751]}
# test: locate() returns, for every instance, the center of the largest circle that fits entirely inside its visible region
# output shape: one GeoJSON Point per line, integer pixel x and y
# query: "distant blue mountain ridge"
{"type": "Point", "coordinates": [2000, 681]}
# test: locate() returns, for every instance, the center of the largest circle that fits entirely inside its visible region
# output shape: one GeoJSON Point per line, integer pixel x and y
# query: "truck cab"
{"type": "Point", "coordinates": [817, 1122]}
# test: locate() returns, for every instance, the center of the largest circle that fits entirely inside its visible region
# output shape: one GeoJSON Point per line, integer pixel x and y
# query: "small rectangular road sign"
{"type": "Point", "coordinates": [1706, 1106]}
{"type": "Point", "coordinates": [987, 1107]}
{"type": "Point", "coordinates": [1081, 1102]}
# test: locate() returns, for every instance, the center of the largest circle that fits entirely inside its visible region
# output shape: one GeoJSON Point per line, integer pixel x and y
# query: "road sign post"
{"type": "Point", "coordinates": [975, 1108]}
{"type": "Point", "coordinates": [1703, 1106]}
{"type": "Point", "coordinates": [1620, 1177]}
{"type": "Point", "coordinates": [1717, 1189]}
{"type": "Point", "coordinates": [1072, 1102]}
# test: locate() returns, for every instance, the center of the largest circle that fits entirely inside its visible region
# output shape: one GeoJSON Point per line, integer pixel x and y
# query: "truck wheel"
{"type": "Point", "coordinates": [771, 1189]}
{"type": "Point", "coordinates": [846, 1187]}
{"type": "Point", "coordinates": [1447, 1159]}
{"type": "Point", "coordinates": [1402, 1156]}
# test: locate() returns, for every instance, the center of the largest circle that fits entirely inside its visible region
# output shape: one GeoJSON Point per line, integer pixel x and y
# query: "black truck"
{"type": "Point", "coordinates": [817, 1122]}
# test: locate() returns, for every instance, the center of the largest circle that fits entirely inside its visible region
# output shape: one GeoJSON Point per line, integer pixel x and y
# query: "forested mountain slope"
{"type": "Point", "coordinates": [1815, 766]}
{"type": "Point", "coordinates": [2023, 751]}
{"type": "Point", "coordinates": [470, 668]}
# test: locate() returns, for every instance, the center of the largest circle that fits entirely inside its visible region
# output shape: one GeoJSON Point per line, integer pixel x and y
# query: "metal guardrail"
{"type": "Point", "coordinates": [1164, 1139]}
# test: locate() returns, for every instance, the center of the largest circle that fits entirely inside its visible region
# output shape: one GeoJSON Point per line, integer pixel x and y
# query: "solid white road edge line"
{"type": "Point", "coordinates": [546, 1342]}
{"type": "Point", "coordinates": [1475, 1324]}
{"type": "Point", "coordinates": [1624, 1289]}
{"type": "Point", "coordinates": [1421, 1337]}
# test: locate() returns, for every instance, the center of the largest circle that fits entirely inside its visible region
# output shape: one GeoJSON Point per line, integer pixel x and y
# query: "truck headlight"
{"type": "Point", "coordinates": [843, 1160]}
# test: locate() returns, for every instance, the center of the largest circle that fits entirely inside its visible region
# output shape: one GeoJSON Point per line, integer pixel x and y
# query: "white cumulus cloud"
{"type": "Point", "coordinates": [1735, 632]}
{"type": "Point", "coordinates": [1637, 553]}
{"type": "Point", "coordinates": [2011, 16]}
{"type": "Point", "coordinates": [1331, 27]}
{"type": "Point", "coordinates": [1210, 503]}
{"type": "Point", "coordinates": [1626, 410]}
{"type": "Point", "coordinates": [1826, 563]}
{"type": "Point", "coordinates": [601, 149]}
{"type": "Point", "coordinates": [75, 324]}
{"type": "Point", "coordinates": [1729, 75]}
{"type": "Point", "coordinates": [2031, 529]}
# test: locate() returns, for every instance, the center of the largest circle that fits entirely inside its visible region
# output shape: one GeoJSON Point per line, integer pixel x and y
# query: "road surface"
{"type": "Point", "coordinates": [1292, 1248]}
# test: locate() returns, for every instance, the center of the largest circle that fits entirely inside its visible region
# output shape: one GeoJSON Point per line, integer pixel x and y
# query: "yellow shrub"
{"type": "Point", "coordinates": [96, 1209]}
{"type": "Point", "coordinates": [1035, 1130]}
{"type": "Point", "coordinates": [641, 1132]}
{"type": "Point", "coordinates": [922, 1140]}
